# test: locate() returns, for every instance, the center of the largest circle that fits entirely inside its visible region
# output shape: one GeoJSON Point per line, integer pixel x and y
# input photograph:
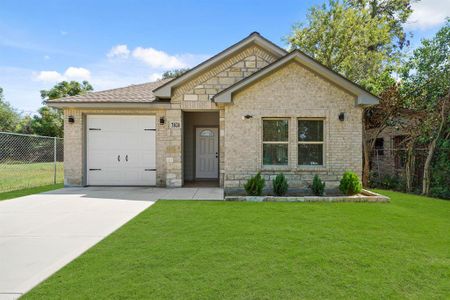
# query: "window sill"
{"type": "Point", "coordinates": [276, 168]}
{"type": "Point", "coordinates": [280, 168]}
{"type": "Point", "coordinates": [311, 168]}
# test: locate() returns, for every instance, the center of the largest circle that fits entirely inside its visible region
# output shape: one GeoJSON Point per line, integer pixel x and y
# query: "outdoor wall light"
{"type": "Point", "coordinates": [341, 116]}
{"type": "Point", "coordinates": [162, 121]}
{"type": "Point", "coordinates": [71, 119]}
{"type": "Point", "coordinates": [246, 117]}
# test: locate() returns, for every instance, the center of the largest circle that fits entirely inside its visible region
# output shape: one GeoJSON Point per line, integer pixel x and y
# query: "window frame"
{"type": "Point", "coordinates": [312, 142]}
{"type": "Point", "coordinates": [287, 142]}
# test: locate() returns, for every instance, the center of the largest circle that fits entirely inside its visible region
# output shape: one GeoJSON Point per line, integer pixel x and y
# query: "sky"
{"type": "Point", "coordinates": [117, 43]}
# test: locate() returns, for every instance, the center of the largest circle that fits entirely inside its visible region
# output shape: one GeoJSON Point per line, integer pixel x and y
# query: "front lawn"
{"type": "Point", "coordinates": [242, 250]}
{"type": "Point", "coordinates": [20, 176]}
{"type": "Point", "coordinates": [30, 191]}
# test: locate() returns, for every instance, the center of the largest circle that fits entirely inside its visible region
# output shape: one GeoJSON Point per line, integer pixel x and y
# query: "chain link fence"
{"type": "Point", "coordinates": [388, 168]}
{"type": "Point", "coordinates": [30, 161]}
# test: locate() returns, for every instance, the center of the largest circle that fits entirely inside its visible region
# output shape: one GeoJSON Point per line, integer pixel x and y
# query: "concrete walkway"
{"type": "Point", "coordinates": [41, 233]}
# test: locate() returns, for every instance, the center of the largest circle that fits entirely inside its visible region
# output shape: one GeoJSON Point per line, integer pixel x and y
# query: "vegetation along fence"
{"type": "Point", "coordinates": [30, 161]}
{"type": "Point", "coordinates": [388, 168]}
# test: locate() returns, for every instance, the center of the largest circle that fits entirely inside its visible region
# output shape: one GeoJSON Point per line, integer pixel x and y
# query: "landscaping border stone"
{"type": "Point", "coordinates": [364, 196]}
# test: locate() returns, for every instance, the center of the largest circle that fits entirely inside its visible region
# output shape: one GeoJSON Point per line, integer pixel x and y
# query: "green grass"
{"type": "Point", "coordinates": [233, 250]}
{"type": "Point", "coordinates": [20, 176]}
{"type": "Point", "coordinates": [30, 191]}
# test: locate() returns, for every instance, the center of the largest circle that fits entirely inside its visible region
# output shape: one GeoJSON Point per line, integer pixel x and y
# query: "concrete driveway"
{"type": "Point", "coordinates": [41, 233]}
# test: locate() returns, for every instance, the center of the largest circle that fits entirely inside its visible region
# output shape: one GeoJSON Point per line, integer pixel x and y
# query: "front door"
{"type": "Point", "coordinates": [207, 153]}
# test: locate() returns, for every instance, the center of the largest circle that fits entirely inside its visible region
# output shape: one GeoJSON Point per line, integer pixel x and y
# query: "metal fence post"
{"type": "Point", "coordinates": [54, 160]}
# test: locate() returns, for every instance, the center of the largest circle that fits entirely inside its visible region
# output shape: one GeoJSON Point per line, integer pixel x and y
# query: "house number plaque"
{"type": "Point", "coordinates": [175, 125]}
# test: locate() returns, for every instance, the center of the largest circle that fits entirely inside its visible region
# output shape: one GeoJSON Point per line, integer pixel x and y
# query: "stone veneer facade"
{"type": "Point", "coordinates": [291, 92]}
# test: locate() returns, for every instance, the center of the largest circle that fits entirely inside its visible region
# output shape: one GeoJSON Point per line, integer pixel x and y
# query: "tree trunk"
{"type": "Point", "coordinates": [432, 147]}
{"type": "Point", "coordinates": [410, 167]}
{"type": "Point", "coordinates": [366, 165]}
{"type": "Point", "coordinates": [426, 168]}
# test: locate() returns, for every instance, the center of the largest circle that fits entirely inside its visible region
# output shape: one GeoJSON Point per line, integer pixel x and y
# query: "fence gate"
{"type": "Point", "coordinates": [30, 161]}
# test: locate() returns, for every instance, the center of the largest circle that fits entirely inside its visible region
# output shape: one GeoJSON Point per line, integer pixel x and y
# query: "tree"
{"type": "Point", "coordinates": [9, 117]}
{"type": "Point", "coordinates": [376, 119]}
{"type": "Point", "coordinates": [362, 40]}
{"type": "Point", "coordinates": [354, 38]}
{"type": "Point", "coordinates": [50, 121]}
{"type": "Point", "coordinates": [174, 73]}
{"type": "Point", "coordinates": [395, 12]}
{"type": "Point", "coordinates": [426, 88]}
{"type": "Point", "coordinates": [64, 89]}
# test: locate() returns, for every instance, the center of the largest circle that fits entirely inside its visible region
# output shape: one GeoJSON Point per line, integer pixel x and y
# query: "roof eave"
{"type": "Point", "coordinates": [363, 96]}
{"type": "Point", "coordinates": [108, 105]}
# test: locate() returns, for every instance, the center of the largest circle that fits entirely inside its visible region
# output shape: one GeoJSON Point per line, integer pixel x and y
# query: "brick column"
{"type": "Point", "coordinates": [174, 149]}
{"type": "Point", "coordinates": [73, 148]}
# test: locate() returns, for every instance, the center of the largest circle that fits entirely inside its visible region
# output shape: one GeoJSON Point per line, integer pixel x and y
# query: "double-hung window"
{"type": "Point", "coordinates": [275, 141]}
{"type": "Point", "coordinates": [310, 142]}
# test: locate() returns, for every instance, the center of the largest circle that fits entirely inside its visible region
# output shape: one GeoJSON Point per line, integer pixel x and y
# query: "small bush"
{"type": "Point", "coordinates": [350, 184]}
{"type": "Point", "coordinates": [386, 182]}
{"type": "Point", "coordinates": [255, 185]}
{"type": "Point", "coordinates": [318, 186]}
{"type": "Point", "coordinates": [280, 185]}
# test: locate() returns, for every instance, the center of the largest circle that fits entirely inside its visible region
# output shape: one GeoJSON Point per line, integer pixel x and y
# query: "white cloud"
{"type": "Point", "coordinates": [120, 51]}
{"type": "Point", "coordinates": [77, 73]}
{"type": "Point", "coordinates": [428, 13]}
{"type": "Point", "coordinates": [71, 73]}
{"type": "Point", "coordinates": [158, 59]}
{"type": "Point", "coordinates": [49, 76]}
{"type": "Point", "coordinates": [155, 77]}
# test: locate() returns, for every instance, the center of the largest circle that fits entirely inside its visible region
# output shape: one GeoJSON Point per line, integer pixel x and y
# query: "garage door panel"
{"type": "Point", "coordinates": [104, 141]}
{"type": "Point", "coordinates": [144, 159]}
{"type": "Point", "coordinates": [97, 177]}
{"type": "Point", "coordinates": [138, 176]}
{"type": "Point", "coordinates": [104, 159]}
{"type": "Point", "coordinates": [131, 137]}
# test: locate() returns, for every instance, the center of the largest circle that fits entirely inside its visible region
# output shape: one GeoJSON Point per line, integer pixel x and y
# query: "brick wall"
{"type": "Point", "coordinates": [292, 92]}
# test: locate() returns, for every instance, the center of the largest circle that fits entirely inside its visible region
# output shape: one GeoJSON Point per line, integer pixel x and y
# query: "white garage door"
{"type": "Point", "coordinates": [121, 150]}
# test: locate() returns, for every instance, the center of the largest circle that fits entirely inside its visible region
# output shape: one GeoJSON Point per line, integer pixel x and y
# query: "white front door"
{"type": "Point", "coordinates": [207, 153]}
{"type": "Point", "coordinates": [120, 150]}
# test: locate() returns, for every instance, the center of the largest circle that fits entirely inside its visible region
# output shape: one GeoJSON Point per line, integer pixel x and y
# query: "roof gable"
{"type": "Point", "coordinates": [165, 91]}
{"type": "Point", "coordinates": [363, 97]}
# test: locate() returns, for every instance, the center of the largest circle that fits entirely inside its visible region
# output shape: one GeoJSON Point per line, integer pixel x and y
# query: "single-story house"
{"type": "Point", "coordinates": [252, 107]}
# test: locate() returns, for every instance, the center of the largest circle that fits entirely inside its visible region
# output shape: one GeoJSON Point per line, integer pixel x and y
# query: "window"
{"type": "Point", "coordinates": [310, 142]}
{"type": "Point", "coordinates": [206, 133]}
{"type": "Point", "coordinates": [275, 142]}
{"type": "Point", "coordinates": [379, 146]}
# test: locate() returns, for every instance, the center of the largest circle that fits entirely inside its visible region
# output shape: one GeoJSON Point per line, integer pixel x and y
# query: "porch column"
{"type": "Point", "coordinates": [222, 146]}
{"type": "Point", "coordinates": [174, 146]}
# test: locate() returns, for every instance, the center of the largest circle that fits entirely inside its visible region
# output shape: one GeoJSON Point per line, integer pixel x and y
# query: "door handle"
{"type": "Point", "coordinates": [126, 157]}
{"type": "Point", "coordinates": [118, 157]}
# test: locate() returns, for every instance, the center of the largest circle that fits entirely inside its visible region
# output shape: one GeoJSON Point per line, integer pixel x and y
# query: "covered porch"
{"type": "Point", "coordinates": [202, 149]}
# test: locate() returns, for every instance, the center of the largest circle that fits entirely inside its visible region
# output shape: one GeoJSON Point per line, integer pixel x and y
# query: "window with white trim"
{"type": "Point", "coordinates": [310, 142]}
{"type": "Point", "coordinates": [275, 141]}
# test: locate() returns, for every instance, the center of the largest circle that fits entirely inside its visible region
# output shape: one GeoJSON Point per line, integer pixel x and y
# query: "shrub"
{"type": "Point", "coordinates": [255, 185]}
{"type": "Point", "coordinates": [386, 182]}
{"type": "Point", "coordinates": [350, 184]}
{"type": "Point", "coordinates": [280, 185]}
{"type": "Point", "coordinates": [318, 186]}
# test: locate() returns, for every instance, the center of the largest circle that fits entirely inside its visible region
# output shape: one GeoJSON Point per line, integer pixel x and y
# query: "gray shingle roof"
{"type": "Point", "coordinates": [130, 94]}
